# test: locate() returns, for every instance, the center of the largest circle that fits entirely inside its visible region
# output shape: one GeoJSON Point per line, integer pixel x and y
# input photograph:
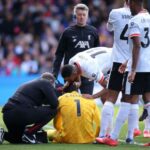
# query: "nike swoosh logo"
{"type": "Point", "coordinates": [32, 141]}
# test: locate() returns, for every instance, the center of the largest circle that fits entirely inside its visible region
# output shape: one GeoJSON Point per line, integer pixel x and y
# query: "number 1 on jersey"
{"type": "Point", "coordinates": [78, 107]}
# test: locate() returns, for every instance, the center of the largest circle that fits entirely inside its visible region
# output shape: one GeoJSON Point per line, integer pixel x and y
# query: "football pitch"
{"type": "Point", "coordinates": [122, 145]}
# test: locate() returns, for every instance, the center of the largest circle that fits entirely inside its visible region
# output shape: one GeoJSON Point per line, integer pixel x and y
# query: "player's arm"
{"type": "Point", "coordinates": [111, 21]}
{"type": "Point", "coordinates": [100, 93]}
{"type": "Point", "coordinates": [97, 95]}
{"type": "Point", "coordinates": [134, 35]}
{"type": "Point", "coordinates": [65, 85]}
{"type": "Point", "coordinates": [101, 79]}
{"type": "Point", "coordinates": [77, 83]}
{"type": "Point", "coordinates": [135, 52]}
{"type": "Point", "coordinates": [57, 122]}
{"type": "Point", "coordinates": [97, 40]}
{"type": "Point", "coordinates": [60, 51]}
{"type": "Point", "coordinates": [135, 56]}
{"type": "Point", "coordinates": [122, 67]}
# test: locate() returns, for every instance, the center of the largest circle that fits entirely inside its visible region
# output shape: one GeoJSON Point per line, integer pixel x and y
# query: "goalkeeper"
{"type": "Point", "coordinates": [77, 120]}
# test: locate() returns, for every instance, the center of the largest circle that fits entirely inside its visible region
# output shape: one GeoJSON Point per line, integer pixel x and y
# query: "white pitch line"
{"type": "Point", "coordinates": [135, 143]}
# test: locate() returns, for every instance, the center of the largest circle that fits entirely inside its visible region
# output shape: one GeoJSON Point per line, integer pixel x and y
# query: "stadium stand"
{"type": "Point", "coordinates": [30, 29]}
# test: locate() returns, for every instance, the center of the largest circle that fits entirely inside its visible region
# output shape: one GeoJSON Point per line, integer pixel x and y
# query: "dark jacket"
{"type": "Point", "coordinates": [74, 39]}
{"type": "Point", "coordinates": [34, 93]}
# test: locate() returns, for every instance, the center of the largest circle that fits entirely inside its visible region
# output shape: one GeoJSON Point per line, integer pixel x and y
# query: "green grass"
{"type": "Point", "coordinates": [122, 145]}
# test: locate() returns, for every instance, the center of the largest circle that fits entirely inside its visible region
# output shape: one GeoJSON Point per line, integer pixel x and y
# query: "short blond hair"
{"type": "Point", "coordinates": [80, 6]}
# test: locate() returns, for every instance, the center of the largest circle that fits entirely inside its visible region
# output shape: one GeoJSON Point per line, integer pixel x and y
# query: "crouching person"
{"type": "Point", "coordinates": [35, 104]}
{"type": "Point", "coordinates": [77, 119]}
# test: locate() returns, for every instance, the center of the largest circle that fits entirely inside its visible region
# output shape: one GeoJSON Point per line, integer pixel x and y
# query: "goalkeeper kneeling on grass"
{"type": "Point", "coordinates": [77, 119]}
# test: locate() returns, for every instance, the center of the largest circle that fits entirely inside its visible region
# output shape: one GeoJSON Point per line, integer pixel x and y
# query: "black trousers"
{"type": "Point", "coordinates": [86, 86]}
{"type": "Point", "coordinates": [18, 117]}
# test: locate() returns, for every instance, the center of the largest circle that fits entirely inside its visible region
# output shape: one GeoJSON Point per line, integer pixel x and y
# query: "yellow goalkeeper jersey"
{"type": "Point", "coordinates": [78, 119]}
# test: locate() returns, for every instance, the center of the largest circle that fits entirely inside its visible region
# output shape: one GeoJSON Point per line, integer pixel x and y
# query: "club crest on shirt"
{"type": "Point", "coordinates": [94, 75]}
{"type": "Point", "coordinates": [74, 40]}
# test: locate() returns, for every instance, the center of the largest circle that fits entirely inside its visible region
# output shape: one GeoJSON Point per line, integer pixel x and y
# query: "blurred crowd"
{"type": "Point", "coordinates": [30, 30]}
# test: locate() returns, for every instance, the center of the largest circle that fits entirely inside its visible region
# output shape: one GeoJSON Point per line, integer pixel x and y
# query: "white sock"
{"type": "Point", "coordinates": [121, 118]}
{"type": "Point", "coordinates": [133, 120]}
{"type": "Point", "coordinates": [110, 127]}
{"type": "Point", "coordinates": [146, 123]}
{"type": "Point", "coordinates": [137, 124]}
{"type": "Point", "coordinates": [147, 106]}
{"type": "Point", "coordinates": [106, 117]}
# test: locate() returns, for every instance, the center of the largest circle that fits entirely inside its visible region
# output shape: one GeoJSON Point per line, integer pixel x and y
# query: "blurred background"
{"type": "Point", "coordinates": [29, 34]}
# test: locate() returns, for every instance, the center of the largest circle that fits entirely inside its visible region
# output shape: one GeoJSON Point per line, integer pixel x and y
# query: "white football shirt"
{"type": "Point", "coordinates": [139, 26]}
{"type": "Point", "coordinates": [93, 62]}
{"type": "Point", "coordinates": [118, 22]}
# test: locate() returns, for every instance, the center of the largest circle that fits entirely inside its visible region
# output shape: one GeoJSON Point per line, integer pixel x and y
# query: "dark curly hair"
{"type": "Point", "coordinates": [67, 70]}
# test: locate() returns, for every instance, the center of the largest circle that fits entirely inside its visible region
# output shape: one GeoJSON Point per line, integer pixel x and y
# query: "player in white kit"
{"type": "Point", "coordinates": [137, 77]}
{"type": "Point", "coordinates": [118, 22]}
{"type": "Point", "coordinates": [92, 64]}
{"type": "Point", "coordinates": [92, 61]}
